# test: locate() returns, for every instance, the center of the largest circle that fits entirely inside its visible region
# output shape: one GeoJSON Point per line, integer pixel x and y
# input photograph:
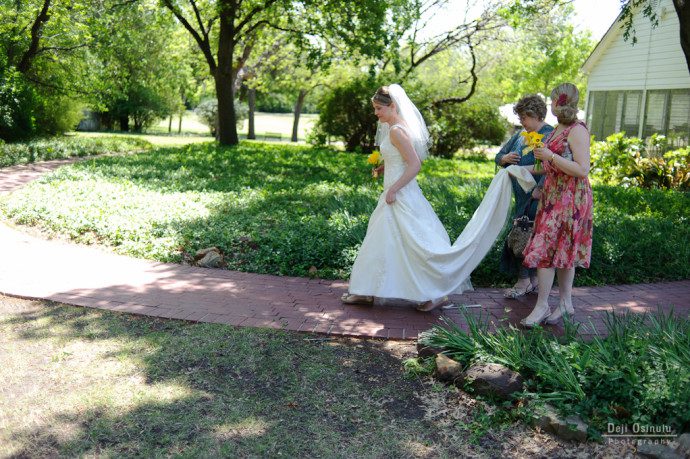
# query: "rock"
{"type": "Point", "coordinates": [684, 444]}
{"type": "Point", "coordinates": [447, 369]}
{"type": "Point", "coordinates": [493, 379]}
{"type": "Point", "coordinates": [574, 428]}
{"type": "Point", "coordinates": [203, 252]}
{"type": "Point", "coordinates": [570, 428]}
{"type": "Point", "coordinates": [212, 259]}
{"type": "Point", "coordinates": [658, 451]}
{"type": "Point", "coordinates": [425, 350]}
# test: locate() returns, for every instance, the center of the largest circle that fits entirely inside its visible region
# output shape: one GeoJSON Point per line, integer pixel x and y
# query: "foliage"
{"type": "Point", "coordinates": [42, 65]}
{"type": "Point", "coordinates": [66, 147]}
{"type": "Point", "coordinates": [464, 126]}
{"type": "Point", "coordinates": [639, 373]}
{"type": "Point", "coordinates": [207, 111]}
{"type": "Point", "coordinates": [626, 161]}
{"type": "Point", "coordinates": [142, 62]}
{"type": "Point", "coordinates": [346, 113]}
{"type": "Point", "coordinates": [18, 102]}
{"type": "Point", "coordinates": [538, 55]}
{"type": "Point", "coordinates": [280, 209]}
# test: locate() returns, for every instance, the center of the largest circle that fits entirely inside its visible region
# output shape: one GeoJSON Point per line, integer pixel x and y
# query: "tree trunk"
{"type": "Point", "coordinates": [179, 123]}
{"type": "Point", "coordinates": [224, 78]}
{"type": "Point", "coordinates": [298, 111]}
{"type": "Point", "coordinates": [124, 123]}
{"type": "Point", "coordinates": [251, 101]}
{"type": "Point", "coordinates": [683, 10]}
{"type": "Point", "coordinates": [170, 124]}
{"type": "Point", "coordinates": [36, 32]}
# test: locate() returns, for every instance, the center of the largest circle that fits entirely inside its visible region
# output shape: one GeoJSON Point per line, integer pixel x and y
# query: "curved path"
{"type": "Point", "coordinates": [93, 277]}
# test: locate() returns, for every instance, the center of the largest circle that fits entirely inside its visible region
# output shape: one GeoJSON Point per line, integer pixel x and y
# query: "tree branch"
{"type": "Point", "coordinates": [203, 43]}
{"type": "Point", "coordinates": [36, 30]}
{"type": "Point", "coordinates": [473, 87]}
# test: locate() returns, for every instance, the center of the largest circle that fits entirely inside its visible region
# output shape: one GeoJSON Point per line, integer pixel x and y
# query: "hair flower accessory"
{"type": "Point", "coordinates": [562, 100]}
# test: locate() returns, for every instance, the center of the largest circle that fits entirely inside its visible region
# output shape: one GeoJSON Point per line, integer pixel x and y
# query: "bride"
{"type": "Point", "coordinates": [406, 253]}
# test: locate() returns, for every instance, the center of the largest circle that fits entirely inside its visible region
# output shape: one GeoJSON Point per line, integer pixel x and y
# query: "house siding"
{"type": "Point", "coordinates": [642, 88]}
{"type": "Point", "coordinates": [654, 62]}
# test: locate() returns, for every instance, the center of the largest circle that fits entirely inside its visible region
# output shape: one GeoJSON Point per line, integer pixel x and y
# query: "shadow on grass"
{"type": "Point", "coordinates": [211, 390]}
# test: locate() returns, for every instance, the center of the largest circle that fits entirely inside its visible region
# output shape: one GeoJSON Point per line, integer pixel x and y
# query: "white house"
{"type": "Point", "coordinates": [642, 88]}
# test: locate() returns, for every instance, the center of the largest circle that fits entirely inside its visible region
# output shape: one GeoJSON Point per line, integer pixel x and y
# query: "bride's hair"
{"type": "Point", "coordinates": [382, 96]}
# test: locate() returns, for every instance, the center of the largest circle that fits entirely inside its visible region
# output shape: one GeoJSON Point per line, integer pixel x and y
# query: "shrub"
{"type": "Point", "coordinates": [18, 102]}
{"type": "Point", "coordinates": [464, 126]}
{"type": "Point", "coordinates": [346, 113]}
{"type": "Point", "coordinates": [626, 161]}
{"type": "Point", "coordinates": [207, 111]}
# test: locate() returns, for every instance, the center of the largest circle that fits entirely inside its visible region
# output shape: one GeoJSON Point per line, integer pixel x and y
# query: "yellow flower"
{"type": "Point", "coordinates": [532, 141]}
{"type": "Point", "coordinates": [374, 158]}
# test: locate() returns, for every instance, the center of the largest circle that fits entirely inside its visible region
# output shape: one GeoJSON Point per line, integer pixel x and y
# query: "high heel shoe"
{"type": "Point", "coordinates": [558, 314]}
{"type": "Point", "coordinates": [533, 323]}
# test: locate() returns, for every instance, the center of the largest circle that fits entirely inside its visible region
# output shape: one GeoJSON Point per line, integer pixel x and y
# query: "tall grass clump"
{"type": "Point", "coordinates": [638, 373]}
{"type": "Point", "coordinates": [66, 147]}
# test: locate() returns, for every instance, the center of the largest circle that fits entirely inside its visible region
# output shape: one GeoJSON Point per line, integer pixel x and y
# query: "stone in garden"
{"type": "Point", "coordinates": [203, 252]}
{"type": "Point", "coordinates": [658, 452]}
{"type": "Point", "coordinates": [684, 444]}
{"type": "Point", "coordinates": [211, 260]}
{"type": "Point", "coordinates": [494, 379]}
{"type": "Point", "coordinates": [570, 428]}
{"type": "Point", "coordinates": [447, 369]}
{"type": "Point", "coordinates": [426, 350]}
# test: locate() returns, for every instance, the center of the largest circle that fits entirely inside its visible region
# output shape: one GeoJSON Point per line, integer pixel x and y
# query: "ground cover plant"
{"type": "Point", "coordinates": [639, 373]}
{"type": "Point", "coordinates": [296, 210]}
{"type": "Point", "coordinates": [67, 147]}
{"type": "Point", "coordinates": [79, 382]}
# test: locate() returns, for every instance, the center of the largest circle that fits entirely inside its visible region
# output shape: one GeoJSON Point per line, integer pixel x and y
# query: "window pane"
{"type": "Point", "coordinates": [612, 113]}
{"type": "Point", "coordinates": [654, 113]}
{"type": "Point", "coordinates": [631, 115]}
{"type": "Point", "coordinates": [679, 116]}
{"type": "Point", "coordinates": [595, 117]}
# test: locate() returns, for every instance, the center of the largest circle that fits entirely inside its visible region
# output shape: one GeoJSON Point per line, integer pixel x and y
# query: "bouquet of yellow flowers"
{"type": "Point", "coordinates": [532, 141]}
{"type": "Point", "coordinates": [375, 160]}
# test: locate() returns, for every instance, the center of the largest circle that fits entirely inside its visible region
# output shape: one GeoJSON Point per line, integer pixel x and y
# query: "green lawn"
{"type": "Point", "coordinates": [78, 382]}
{"type": "Point", "coordinates": [280, 123]}
{"type": "Point", "coordinates": [283, 209]}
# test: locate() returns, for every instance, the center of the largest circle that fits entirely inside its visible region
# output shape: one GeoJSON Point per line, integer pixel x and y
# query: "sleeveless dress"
{"type": "Point", "coordinates": [562, 236]}
{"type": "Point", "coordinates": [407, 254]}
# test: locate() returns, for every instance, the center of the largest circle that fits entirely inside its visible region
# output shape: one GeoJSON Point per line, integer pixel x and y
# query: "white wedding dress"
{"type": "Point", "coordinates": [407, 254]}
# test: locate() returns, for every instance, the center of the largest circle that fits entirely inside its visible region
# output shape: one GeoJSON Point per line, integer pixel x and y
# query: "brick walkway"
{"type": "Point", "coordinates": [93, 277]}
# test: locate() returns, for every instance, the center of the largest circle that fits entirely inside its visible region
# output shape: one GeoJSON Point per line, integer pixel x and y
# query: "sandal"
{"type": "Point", "coordinates": [432, 304]}
{"type": "Point", "coordinates": [515, 293]}
{"type": "Point", "coordinates": [349, 298]}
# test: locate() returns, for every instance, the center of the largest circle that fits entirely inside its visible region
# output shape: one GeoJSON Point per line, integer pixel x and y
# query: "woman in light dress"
{"type": "Point", "coordinates": [406, 253]}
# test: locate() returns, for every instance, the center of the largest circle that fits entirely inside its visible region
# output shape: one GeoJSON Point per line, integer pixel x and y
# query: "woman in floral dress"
{"type": "Point", "coordinates": [562, 237]}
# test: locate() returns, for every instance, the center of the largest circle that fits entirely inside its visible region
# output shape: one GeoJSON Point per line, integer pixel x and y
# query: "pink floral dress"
{"type": "Point", "coordinates": [562, 236]}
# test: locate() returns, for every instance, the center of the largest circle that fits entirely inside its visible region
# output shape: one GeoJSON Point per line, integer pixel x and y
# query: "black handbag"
{"type": "Point", "coordinates": [519, 234]}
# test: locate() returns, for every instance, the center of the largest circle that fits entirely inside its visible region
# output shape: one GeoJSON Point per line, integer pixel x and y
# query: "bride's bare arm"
{"type": "Point", "coordinates": [401, 141]}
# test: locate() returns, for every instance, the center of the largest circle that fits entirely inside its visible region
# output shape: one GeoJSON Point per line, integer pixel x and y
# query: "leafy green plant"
{"type": "Point", "coordinates": [639, 372]}
{"type": "Point", "coordinates": [628, 161]}
{"type": "Point", "coordinates": [66, 147]}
